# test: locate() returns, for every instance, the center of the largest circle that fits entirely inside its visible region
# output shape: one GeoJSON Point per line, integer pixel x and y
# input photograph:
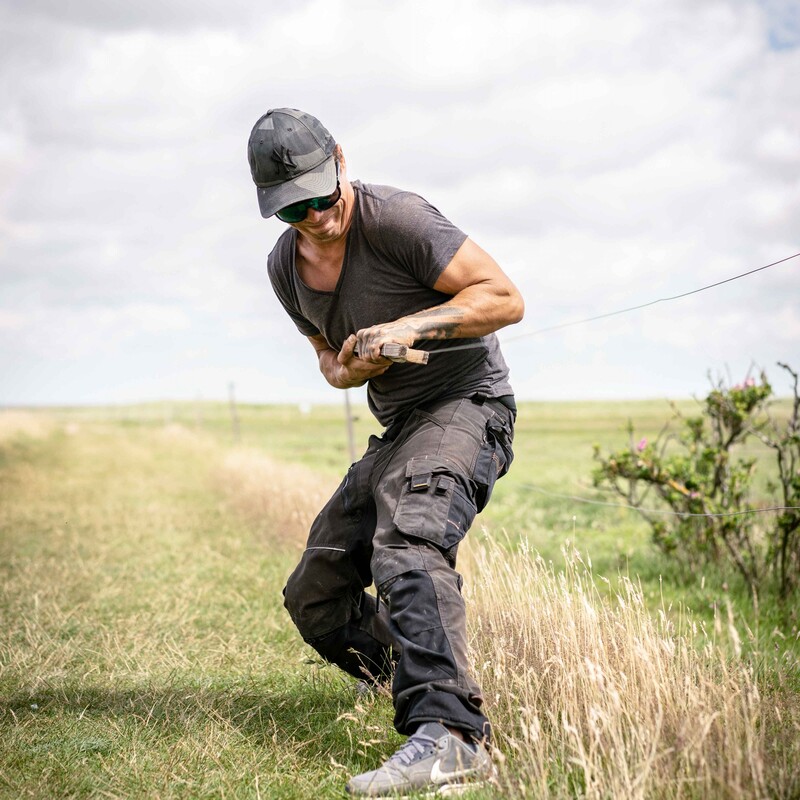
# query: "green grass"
{"type": "Point", "coordinates": [553, 446]}
{"type": "Point", "coordinates": [144, 650]}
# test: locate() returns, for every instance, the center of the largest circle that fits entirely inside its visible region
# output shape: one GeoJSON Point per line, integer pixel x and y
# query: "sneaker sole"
{"type": "Point", "coordinates": [443, 790]}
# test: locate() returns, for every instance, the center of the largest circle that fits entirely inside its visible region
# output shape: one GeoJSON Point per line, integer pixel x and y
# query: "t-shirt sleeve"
{"type": "Point", "coordinates": [279, 267]}
{"type": "Point", "coordinates": [416, 235]}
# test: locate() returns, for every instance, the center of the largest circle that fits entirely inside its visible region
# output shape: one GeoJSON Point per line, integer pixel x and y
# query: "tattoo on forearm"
{"type": "Point", "coordinates": [425, 322]}
{"type": "Point", "coordinates": [440, 311]}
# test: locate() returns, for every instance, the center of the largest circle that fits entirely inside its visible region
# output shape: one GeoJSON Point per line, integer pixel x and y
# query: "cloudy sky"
{"type": "Point", "coordinates": [606, 153]}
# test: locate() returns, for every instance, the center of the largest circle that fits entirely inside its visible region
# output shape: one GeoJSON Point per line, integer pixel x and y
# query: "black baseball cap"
{"type": "Point", "coordinates": [291, 159]}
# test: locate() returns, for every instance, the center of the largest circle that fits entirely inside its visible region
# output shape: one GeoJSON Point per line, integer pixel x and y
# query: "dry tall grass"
{"type": "Point", "coordinates": [280, 501]}
{"type": "Point", "coordinates": [597, 698]}
{"type": "Point", "coordinates": [15, 423]}
{"type": "Point", "coordinates": [590, 697]}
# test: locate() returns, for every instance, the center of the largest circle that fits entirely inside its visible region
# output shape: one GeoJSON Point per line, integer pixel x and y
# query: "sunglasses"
{"type": "Point", "coordinates": [297, 212]}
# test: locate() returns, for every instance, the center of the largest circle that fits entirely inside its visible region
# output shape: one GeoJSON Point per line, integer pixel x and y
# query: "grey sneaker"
{"type": "Point", "coordinates": [432, 759]}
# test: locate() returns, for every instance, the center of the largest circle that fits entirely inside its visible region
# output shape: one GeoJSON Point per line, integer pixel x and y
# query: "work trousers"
{"type": "Point", "coordinates": [396, 520]}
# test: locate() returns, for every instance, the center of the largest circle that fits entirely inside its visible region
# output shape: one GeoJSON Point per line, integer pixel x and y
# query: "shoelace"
{"type": "Point", "coordinates": [415, 746]}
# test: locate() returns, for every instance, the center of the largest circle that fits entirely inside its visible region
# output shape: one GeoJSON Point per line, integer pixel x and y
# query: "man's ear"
{"type": "Point", "coordinates": [338, 154]}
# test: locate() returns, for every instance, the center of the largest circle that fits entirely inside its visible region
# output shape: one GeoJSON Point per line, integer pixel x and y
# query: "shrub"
{"type": "Point", "coordinates": [706, 514]}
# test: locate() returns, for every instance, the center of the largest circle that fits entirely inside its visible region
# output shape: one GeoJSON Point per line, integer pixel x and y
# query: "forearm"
{"type": "Point", "coordinates": [334, 372]}
{"type": "Point", "coordinates": [343, 369]}
{"type": "Point", "coordinates": [475, 311]}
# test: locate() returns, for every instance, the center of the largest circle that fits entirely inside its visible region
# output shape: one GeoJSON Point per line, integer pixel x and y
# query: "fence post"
{"type": "Point", "coordinates": [351, 441]}
{"type": "Point", "coordinates": [234, 413]}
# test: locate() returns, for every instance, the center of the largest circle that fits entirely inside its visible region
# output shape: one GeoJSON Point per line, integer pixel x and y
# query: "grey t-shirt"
{"type": "Point", "coordinates": [397, 247]}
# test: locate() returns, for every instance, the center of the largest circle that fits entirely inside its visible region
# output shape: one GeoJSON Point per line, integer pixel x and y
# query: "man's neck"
{"type": "Point", "coordinates": [319, 258]}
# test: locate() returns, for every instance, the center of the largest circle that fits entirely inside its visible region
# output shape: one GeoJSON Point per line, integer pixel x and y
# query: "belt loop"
{"type": "Point", "coordinates": [479, 399]}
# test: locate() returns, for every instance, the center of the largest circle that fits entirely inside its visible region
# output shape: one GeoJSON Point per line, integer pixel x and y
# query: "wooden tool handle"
{"type": "Point", "coordinates": [402, 353]}
{"type": "Point", "coordinates": [417, 356]}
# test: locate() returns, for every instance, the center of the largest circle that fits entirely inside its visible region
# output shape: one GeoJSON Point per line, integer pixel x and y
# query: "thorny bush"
{"type": "Point", "coordinates": [706, 487]}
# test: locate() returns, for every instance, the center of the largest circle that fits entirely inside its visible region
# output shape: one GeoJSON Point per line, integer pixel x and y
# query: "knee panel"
{"type": "Point", "coordinates": [315, 613]}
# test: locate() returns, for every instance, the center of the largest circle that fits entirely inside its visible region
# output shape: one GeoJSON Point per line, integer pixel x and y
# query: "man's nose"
{"type": "Point", "coordinates": [313, 215]}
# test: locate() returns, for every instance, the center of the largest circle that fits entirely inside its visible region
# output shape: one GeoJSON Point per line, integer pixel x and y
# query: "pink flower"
{"type": "Point", "coordinates": [642, 444]}
{"type": "Point", "coordinates": [750, 382]}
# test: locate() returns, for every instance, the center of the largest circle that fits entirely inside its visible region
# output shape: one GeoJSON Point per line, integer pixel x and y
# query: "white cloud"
{"type": "Point", "coordinates": [11, 321]}
{"type": "Point", "coordinates": [60, 332]}
{"type": "Point", "coordinates": [779, 145]}
{"type": "Point", "coordinates": [606, 153]}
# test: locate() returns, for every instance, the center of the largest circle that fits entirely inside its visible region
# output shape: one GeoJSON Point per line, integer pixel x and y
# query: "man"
{"type": "Point", "coordinates": [360, 267]}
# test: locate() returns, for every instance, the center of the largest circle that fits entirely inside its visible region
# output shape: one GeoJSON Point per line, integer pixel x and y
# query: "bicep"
{"type": "Point", "coordinates": [472, 266]}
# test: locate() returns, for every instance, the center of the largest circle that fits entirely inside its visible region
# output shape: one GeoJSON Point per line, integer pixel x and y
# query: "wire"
{"type": "Point", "coordinates": [652, 302]}
{"type": "Point", "coordinates": [621, 310]}
{"type": "Point", "coordinates": [591, 502]}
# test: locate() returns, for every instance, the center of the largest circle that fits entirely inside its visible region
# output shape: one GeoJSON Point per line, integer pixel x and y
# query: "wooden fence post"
{"type": "Point", "coordinates": [234, 413]}
{"type": "Point", "coordinates": [351, 441]}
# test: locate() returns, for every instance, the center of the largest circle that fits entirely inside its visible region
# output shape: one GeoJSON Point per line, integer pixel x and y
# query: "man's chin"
{"type": "Point", "coordinates": [325, 230]}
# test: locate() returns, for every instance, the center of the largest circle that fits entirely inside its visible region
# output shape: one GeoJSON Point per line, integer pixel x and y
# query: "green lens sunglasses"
{"type": "Point", "coordinates": [297, 212]}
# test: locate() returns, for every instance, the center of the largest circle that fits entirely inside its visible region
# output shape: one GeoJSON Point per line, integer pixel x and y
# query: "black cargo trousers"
{"type": "Point", "coordinates": [396, 520]}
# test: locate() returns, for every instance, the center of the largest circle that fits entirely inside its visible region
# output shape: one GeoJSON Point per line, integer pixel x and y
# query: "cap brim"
{"type": "Point", "coordinates": [317, 182]}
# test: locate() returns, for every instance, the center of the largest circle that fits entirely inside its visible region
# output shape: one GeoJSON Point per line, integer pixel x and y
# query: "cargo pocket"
{"type": "Point", "coordinates": [434, 504]}
{"type": "Point", "coordinates": [494, 459]}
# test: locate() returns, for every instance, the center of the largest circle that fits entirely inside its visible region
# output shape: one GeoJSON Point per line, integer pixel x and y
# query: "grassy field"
{"type": "Point", "coordinates": [144, 651]}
